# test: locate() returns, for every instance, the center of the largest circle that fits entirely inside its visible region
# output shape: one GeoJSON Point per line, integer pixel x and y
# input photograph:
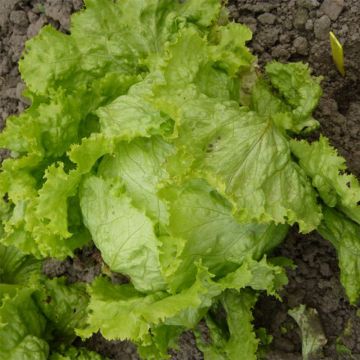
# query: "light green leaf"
{"type": "Point", "coordinates": [123, 233]}
{"type": "Point", "coordinates": [21, 137]}
{"type": "Point", "coordinates": [230, 52]}
{"type": "Point", "coordinates": [327, 170]}
{"type": "Point", "coordinates": [266, 103]}
{"type": "Point", "coordinates": [345, 236]}
{"type": "Point", "coordinates": [130, 116]}
{"type": "Point", "coordinates": [300, 90]}
{"type": "Point", "coordinates": [140, 166]}
{"type": "Point", "coordinates": [201, 12]}
{"type": "Point", "coordinates": [120, 312]}
{"type": "Point", "coordinates": [139, 29]}
{"type": "Point", "coordinates": [259, 178]}
{"type": "Point", "coordinates": [53, 198]}
{"type": "Point", "coordinates": [56, 53]}
{"type": "Point", "coordinates": [259, 275]}
{"type": "Point", "coordinates": [197, 212]}
{"type": "Point", "coordinates": [240, 336]}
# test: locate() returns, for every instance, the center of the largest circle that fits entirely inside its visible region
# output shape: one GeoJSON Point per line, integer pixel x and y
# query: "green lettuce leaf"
{"type": "Point", "coordinates": [197, 212]}
{"type": "Point", "coordinates": [230, 52]}
{"type": "Point", "coordinates": [140, 166]}
{"type": "Point", "coordinates": [228, 344]}
{"type": "Point", "coordinates": [201, 12]}
{"type": "Point", "coordinates": [327, 170]}
{"type": "Point", "coordinates": [17, 268]}
{"type": "Point", "coordinates": [36, 314]}
{"type": "Point", "coordinates": [299, 89]}
{"type": "Point", "coordinates": [22, 327]}
{"type": "Point", "coordinates": [121, 312]}
{"type": "Point", "coordinates": [72, 353]}
{"type": "Point", "coordinates": [344, 234]}
{"type": "Point", "coordinates": [256, 177]}
{"type": "Point", "coordinates": [64, 307]}
{"type": "Point", "coordinates": [118, 224]}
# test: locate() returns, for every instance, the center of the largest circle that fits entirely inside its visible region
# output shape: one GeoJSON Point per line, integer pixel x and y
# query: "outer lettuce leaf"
{"type": "Point", "coordinates": [259, 178]}
{"type": "Point", "coordinates": [62, 58]}
{"type": "Point", "coordinates": [17, 268]}
{"type": "Point", "coordinates": [19, 137]}
{"type": "Point", "coordinates": [138, 29]}
{"type": "Point", "coordinates": [194, 64]}
{"type": "Point", "coordinates": [300, 90]}
{"type": "Point", "coordinates": [64, 307]}
{"type": "Point", "coordinates": [313, 337]}
{"type": "Point", "coordinates": [119, 225]}
{"type": "Point", "coordinates": [227, 345]}
{"type": "Point", "coordinates": [42, 222]}
{"type": "Point", "coordinates": [120, 312]}
{"type": "Point", "coordinates": [197, 212]}
{"type": "Point", "coordinates": [230, 52]}
{"type": "Point", "coordinates": [98, 46]}
{"type": "Point", "coordinates": [61, 186]}
{"type": "Point", "coordinates": [22, 327]}
{"type": "Point", "coordinates": [73, 353]}
{"type": "Point", "coordinates": [256, 177]}
{"type": "Point", "coordinates": [34, 311]}
{"type": "Point", "coordinates": [345, 236]}
{"type": "Point", "coordinates": [267, 103]}
{"type": "Point", "coordinates": [327, 170]}
{"type": "Point", "coordinates": [201, 12]}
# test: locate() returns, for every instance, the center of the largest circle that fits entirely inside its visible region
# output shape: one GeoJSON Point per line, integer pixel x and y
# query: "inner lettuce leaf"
{"type": "Point", "coordinates": [153, 132]}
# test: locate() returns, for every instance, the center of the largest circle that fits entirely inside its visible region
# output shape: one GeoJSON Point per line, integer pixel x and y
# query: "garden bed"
{"type": "Point", "coordinates": [285, 30]}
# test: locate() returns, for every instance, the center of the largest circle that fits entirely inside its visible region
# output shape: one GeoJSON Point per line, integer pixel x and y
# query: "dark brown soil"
{"type": "Point", "coordinates": [286, 30]}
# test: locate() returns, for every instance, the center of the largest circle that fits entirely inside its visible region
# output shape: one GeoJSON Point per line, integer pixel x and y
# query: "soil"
{"type": "Point", "coordinates": [285, 30]}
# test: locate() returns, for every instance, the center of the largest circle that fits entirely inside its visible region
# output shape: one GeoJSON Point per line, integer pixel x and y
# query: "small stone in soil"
{"type": "Point", "coordinates": [267, 19]}
{"type": "Point", "coordinates": [301, 17]}
{"type": "Point", "coordinates": [322, 27]}
{"type": "Point", "coordinates": [309, 26]}
{"type": "Point", "coordinates": [325, 270]}
{"type": "Point", "coordinates": [308, 4]}
{"type": "Point", "coordinates": [301, 45]}
{"type": "Point", "coordinates": [19, 18]}
{"type": "Point", "coordinates": [332, 8]}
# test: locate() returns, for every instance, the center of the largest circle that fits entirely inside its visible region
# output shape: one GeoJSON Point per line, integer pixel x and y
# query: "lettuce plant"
{"type": "Point", "coordinates": [153, 132]}
{"type": "Point", "coordinates": [38, 316]}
